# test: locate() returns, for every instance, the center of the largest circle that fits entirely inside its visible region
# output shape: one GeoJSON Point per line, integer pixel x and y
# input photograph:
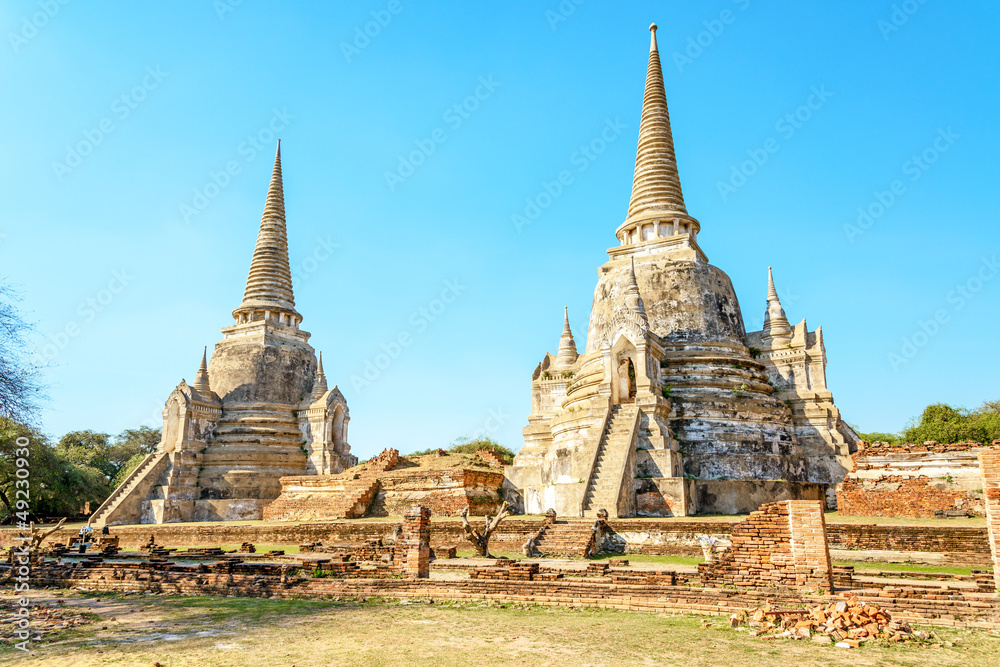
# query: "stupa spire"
{"type": "Point", "coordinates": [319, 384]}
{"type": "Point", "coordinates": [775, 323]}
{"type": "Point", "coordinates": [269, 284]}
{"type": "Point", "coordinates": [656, 186]}
{"type": "Point", "coordinates": [632, 297]}
{"type": "Point", "coordinates": [201, 380]}
{"type": "Point", "coordinates": [567, 346]}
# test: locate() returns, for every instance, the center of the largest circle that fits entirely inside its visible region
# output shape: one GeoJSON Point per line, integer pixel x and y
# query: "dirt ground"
{"type": "Point", "coordinates": [174, 631]}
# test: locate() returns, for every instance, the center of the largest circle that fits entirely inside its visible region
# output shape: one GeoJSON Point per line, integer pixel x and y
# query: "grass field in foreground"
{"type": "Point", "coordinates": [212, 632]}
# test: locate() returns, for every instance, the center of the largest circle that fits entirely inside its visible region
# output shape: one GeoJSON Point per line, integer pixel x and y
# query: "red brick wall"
{"type": "Point", "coordinates": [989, 462]}
{"type": "Point", "coordinates": [899, 491]}
{"type": "Point", "coordinates": [970, 545]}
{"type": "Point", "coordinates": [913, 497]}
{"type": "Point", "coordinates": [881, 448]}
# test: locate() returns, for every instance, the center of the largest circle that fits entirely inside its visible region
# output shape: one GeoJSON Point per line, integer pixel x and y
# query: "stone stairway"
{"type": "Point", "coordinates": [360, 492]}
{"type": "Point", "coordinates": [569, 539]}
{"type": "Point", "coordinates": [606, 478]}
{"type": "Point", "coordinates": [350, 502]}
{"type": "Point", "coordinates": [146, 473]}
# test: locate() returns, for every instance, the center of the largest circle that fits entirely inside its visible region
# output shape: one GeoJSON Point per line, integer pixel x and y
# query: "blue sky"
{"type": "Point", "coordinates": [131, 243]}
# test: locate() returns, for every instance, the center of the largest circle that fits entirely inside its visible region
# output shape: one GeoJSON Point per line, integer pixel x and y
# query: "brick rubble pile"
{"type": "Point", "coordinates": [847, 623]}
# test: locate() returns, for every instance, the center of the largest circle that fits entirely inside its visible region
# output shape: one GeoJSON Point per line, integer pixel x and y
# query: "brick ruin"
{"type": "Point", "coordinates": [927, 480]}
{"type": "Point", "coordinates": [416, 542]}
{"type": "Point", "coordinates": [990, 465]}
{"type": "Point", "coordinates": [491, 458]}
{"type": "Point", "coordinates": [779, 557]}
{"type": "Point", "coordinates": [386, 486]}
{"type": "Point", "coordinates": [781, 544]}
{"type": "Point", "coordinates": [606, 585]}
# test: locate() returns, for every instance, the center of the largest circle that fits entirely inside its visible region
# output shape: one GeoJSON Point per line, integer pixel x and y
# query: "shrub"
{"type": "Point", "coordinates": [465, 445]}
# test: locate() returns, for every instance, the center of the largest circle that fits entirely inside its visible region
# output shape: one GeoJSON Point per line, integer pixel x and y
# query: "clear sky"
{"type": "Point", "coordinates": [131, 241]}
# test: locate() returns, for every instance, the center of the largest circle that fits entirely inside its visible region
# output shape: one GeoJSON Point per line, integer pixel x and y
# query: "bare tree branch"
{"type": "Point", "coordinates": [37, 537]}
{"type": "Point", "coordinates": [481, 539]}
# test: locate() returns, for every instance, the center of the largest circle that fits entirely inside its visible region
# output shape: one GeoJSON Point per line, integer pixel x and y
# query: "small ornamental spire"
{"type": "Point", "coordinates": [772, 294]}
{"type": "Point", "coordinates": [201, 381]}
{"type": "Point", "coordinates": [567, 354]}
{"type": "Point", "coordinates": [269, 285]}
{"type": "Point", "coordinates": [775, 323]}
{"type": "Point", "coordinates": [656, 186]}
{"type": "Point", "coordinates": [632, 298]}
{"type": "Point", "coordinates": [319, 384]}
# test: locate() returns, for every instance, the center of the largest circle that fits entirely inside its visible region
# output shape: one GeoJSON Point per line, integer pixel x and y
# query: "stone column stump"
{"type": "Point", "coordinates": [415, 542]}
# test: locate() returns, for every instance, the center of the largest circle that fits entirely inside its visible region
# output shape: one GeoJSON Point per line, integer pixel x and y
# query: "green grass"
{"type": "Point", "coordinates": [863, 567]}
{"type": "Point", "coordinates": [975, 522]}
{"type": "Point", "coordinates": [665, 560]}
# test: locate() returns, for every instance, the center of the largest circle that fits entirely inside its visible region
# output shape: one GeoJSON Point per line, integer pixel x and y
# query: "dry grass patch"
{"type": "Point", "coordinates": [204, 631]}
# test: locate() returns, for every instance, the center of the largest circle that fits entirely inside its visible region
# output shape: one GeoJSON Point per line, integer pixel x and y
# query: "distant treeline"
{"type": "Point", "coordinates": [943, 423]}
{"type": "Point", "coordinates": [82, 467]}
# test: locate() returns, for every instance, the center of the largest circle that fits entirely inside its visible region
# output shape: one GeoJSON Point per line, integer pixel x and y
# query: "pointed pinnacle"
{"type": "Point", "coordinates": [566, 329]}
{"type": "Point", "coordinates": [772, 294]}
{"type": "Point", "coordinates": [201, 380]}
{"type": "Point", "coordinates": [319, 368]}
{"type": "Point", "coordinates": [269, 284]}
{"type": "Point", "coordinates": [656, 186]}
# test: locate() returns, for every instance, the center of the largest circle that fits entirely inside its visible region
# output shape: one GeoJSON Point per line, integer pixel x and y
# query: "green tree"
{"type": "Point", "coordinates": [89, 449]}
{"type": "Point", "coordinates": [20, 389]}
{"type": "Point", "coordinates": [943, 423]}
{"type": "Point", "coordinates": [55, 486]}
